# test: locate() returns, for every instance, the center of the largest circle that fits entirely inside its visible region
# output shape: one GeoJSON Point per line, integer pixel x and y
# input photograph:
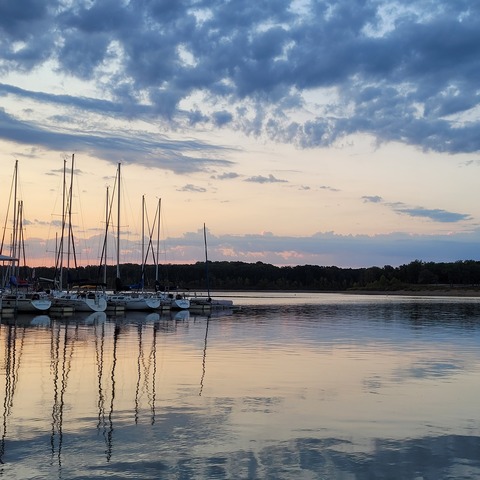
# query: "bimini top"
{"type": "Point", "coordinates": [6, 258]}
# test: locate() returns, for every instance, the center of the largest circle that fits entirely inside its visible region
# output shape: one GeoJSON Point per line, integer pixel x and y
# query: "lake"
{"type": "Point", "coordinates": [289, 386]}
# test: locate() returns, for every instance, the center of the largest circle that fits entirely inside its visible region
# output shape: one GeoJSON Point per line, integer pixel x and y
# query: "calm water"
{"type": "Point", "coordinates": [305, 386]}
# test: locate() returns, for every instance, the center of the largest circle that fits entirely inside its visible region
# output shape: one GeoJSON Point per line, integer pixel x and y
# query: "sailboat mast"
{"type": "Point", "coordinates": [14, 231]}
{"type": "Point", "coordinates": [107, 216]}
{"type": "Point", "coordinates": [206, 259]}
{"type": "Point", "coordinates": [60, 249]}
{"type": "Point", "coordinates": [158, 238]}
{"type": "Point", "coordinates": [20, 239]}
{"type": "Point", "coordinates": [70, 219]}
{"type": "Point", "coordinates": [118, 220]}
{"type": "Point", "coordinates": [143, 240]}
{"type": "Point", "coordinates": [56, 253]}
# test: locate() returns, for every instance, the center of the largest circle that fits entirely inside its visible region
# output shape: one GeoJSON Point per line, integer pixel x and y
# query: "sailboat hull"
{"type": "Point", "coordinates": [174, 302]}
{"type": "Point", "coordinates": [26, 304]}
{"type": "Point", "coordinates": [180, 304]}
{"type": "Point", "coordinates": [81, 303]}
{"type": "Point", "coordinates": [135, 302]}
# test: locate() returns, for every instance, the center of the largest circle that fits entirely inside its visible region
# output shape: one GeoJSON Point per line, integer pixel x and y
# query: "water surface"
{"type": "Point", "coordinates": [289, 386]}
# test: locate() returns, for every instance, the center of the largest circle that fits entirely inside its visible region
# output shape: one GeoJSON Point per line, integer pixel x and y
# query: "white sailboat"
{"type": "Point", "coordinates": [174, 301]}
{"type": "Point", "coordinates": [81, 301]}
{"type": "Point", "coordinates": [137, 300]}
{"type": "Point", "coordinates": [207, 302]}
{"type": "Point", "coordinates": [168, 300]}
{"type": "Point", "coordinates": [85, 297]}
{"type": "Point", "coordinates": [25, 302]}
{"type": "Point", "coordinates": [19, 295]}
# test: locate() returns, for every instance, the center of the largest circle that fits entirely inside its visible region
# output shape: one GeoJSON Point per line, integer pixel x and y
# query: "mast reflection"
{"type": "Point", "coordinates": [61, 364]}
{"type": "Point", "coordinates": [12, 360]}
{"type": "Point", "coordinates": [204, 359]}
{"type": "Point", "coordinates": [99, 354]}
{"type": "Point", "coordinates": [153, 355]}
{"type": "Point", "coordinates": [139, 359]}
{"type": "Point", "coordinates": [147, 369]}
{"type": "Point", "coordinates": [109, 432]}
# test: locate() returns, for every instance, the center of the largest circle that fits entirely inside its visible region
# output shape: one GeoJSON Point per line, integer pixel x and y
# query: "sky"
{"type": "Point", "coordinates": [299, 132]}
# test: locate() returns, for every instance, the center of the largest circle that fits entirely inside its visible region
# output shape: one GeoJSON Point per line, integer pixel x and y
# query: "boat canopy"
{"type": "Point", "coordinates": [6, 258]}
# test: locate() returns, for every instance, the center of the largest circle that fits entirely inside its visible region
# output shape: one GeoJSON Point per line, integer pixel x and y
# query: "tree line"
{"type": "Point", "coordinates": [262, 276]}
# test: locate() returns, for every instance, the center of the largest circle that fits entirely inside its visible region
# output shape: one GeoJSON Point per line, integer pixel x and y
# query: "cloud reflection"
{"type": "Point", "coordinates": [335, 389]}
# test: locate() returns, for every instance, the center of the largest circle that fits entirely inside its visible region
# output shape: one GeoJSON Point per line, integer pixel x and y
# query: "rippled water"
{"type": "Point", "coordinates": [309, 386]}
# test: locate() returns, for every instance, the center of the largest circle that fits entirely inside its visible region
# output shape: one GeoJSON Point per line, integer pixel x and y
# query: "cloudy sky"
{"type": "Point", "coordinates": [300, 132]}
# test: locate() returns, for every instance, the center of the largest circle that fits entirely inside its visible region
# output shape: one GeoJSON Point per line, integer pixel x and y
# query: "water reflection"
{"type": "Point", "coordinates": [12, 358]}
{"type": "Point", "coordinates": [204, 358]}
{"type": "Point", "coordinates": [108, 432]}
{"type": "Point", "coordinates": [356, 389]}
{"type": "Point", "coordinates": [61, 359]}
{"type": "Point", "coordinates": [145, 377]}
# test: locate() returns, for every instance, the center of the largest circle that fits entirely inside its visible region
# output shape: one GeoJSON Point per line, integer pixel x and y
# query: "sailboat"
{"type": "Point", "coordinates": [112, 308]}
{"type": "Point", "coordinates": [86, 297]}
{"type": "Point", "coordinates": [19, 293]}
{"type": "Point", "coordinates": [168, 300]}
{"type": "Point", "coordinates": [202, 302]}
{"type": "Point", "coordinates": [175, 301]}
{"type": "Point", "coordinates": [124, 296]}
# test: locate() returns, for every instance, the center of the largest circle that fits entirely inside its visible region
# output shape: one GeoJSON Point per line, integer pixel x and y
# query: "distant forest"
{"type": "Point", "coordinates": [262, 276]}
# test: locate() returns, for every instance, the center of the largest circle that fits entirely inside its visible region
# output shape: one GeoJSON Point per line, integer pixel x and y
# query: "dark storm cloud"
{"type": "Point", "coordinates": [401, 71]}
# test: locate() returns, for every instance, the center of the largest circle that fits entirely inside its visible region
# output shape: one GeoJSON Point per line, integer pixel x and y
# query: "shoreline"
{"type": "Point", "coordinates": [447, 292]}
{"type": "Point", "coordinates": [427, 292]}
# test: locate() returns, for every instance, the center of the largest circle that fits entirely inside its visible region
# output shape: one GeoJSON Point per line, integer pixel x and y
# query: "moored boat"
{"type": "Point", "coordinates": [86, 296]}
{"type": "Point", "coordinates": [130, 297]}
{"type": "Point", "coordinates": [134, 301]}
{"type": "Point", "coordinates": [207, 302]}
{"type": "Point", "coordinates": [203, 302]}
{"type": "Point", "coordinates": [174, 301]}
{"type": "Point", "coordinates": [81, 301]}
{"type": "Point", "coordinates": [19, 294]}
{"type": "Point", "coordinates": [24, 302]}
